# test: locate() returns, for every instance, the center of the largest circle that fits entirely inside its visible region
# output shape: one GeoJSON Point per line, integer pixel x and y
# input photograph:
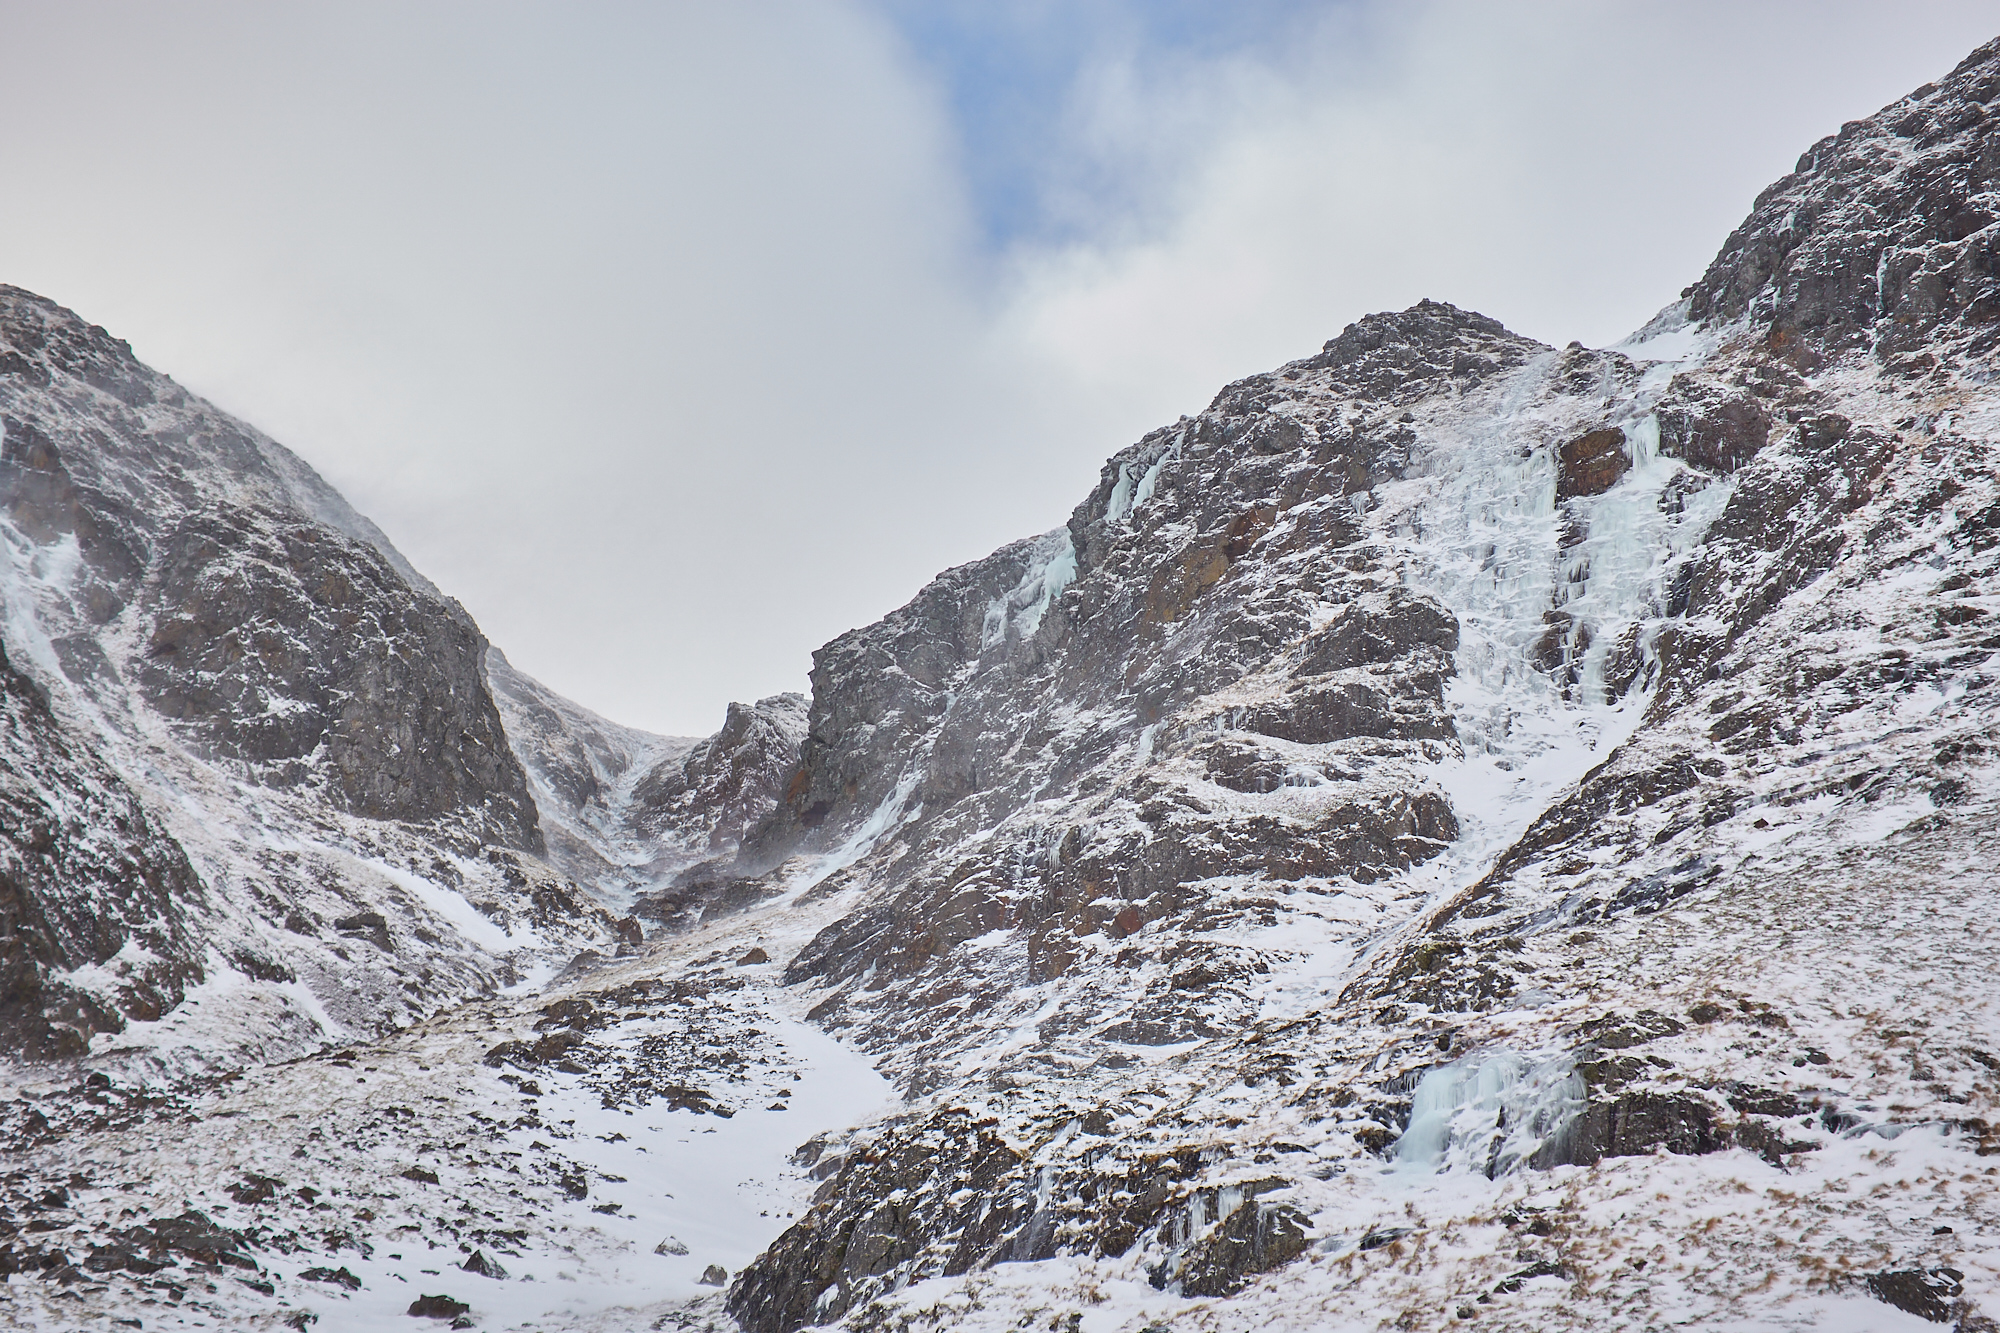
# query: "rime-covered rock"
{"type": "Point", "coordinates": [87, 881]}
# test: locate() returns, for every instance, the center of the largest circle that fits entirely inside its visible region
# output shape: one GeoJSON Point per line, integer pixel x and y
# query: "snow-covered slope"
{"type": "Point", "coordinates": [1459, 832]}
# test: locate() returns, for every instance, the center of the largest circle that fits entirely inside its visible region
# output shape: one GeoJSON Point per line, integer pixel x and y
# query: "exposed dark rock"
{"type": "Point", "coordinates": [1635, 1123]}
{"type": "Point", "coordinates": [1403, 356]}
{"type": "Point", "coordinates": [1711, 425]}
{"type": "Point", "coordinates": [1198, 560]}
{"type": "Point", "coordinates": [478, 1263]}
{"type": "Point", "coordinates": [693, 1099]}
{"type": "Point", "coordinates": [578, 1015]}
{"type": "Point", "coordinates": [1592, 463]}
{"type": "Point", "coordinates": [1317, 714]}
{"type": "Point", "coordinates": [1256, 1238]}
{"type": "Point", "coordinates": [1513, 1282]}
{"type": "Point", "coordinates": [943, 678]}
{"type": "Point", "coordinates": [437, 1307]}
{"type": "Point", "coordinates": [194, 1237]}
{"type": "Point", "coordinates": [1770, 1141]}
{"type": "Point", "coordinates": [370, 926]}
{"type": "Point", "coordinates": [1159, 777]}
{"type": "Point", "coordinates": [337, 1277]}
{"type": "Point", "coordinates": [549, 1049]}
{"type": "Point", "coordinates": [1927, 1293]}
{"type": "Point", "coordinates": [1450, 975]}
{"type": "Point", "coordinates": [730, 782]}
{"type": "Point", "coordinates": [1379, 627]}
{"type": "Point", "coordinates": [1617, 1032]}
{"type": "Point", "coordinates": [254, 1189]}
{"type": "Point", "coordinates": [860, 1227]}
{"type": "Point", "coordinates": [631, 811]}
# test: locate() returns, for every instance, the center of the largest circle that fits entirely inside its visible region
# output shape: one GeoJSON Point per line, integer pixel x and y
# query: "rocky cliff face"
{"type": "Point", "coordinates": [1882, 238]}
{"type": "Point", "coordinates": [299, 784]}
{"type": "Point", "coordinates": [305, 658]}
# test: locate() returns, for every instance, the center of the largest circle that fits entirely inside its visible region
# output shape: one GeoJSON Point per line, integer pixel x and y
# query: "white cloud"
{"type": "Point", "coordinates": [648, 333]}
{"type": "Point", "coordinates": [656, 334]}
{"type": "Point", "coordinates": [1565, 168]}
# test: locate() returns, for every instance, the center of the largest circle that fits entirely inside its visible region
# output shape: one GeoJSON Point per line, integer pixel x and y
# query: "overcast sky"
{"type": "Point", "coordinates": [675, 339]}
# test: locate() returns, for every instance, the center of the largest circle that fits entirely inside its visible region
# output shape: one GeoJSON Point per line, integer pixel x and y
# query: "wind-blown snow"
{"type": "Point", "coordinates": [452, 907]}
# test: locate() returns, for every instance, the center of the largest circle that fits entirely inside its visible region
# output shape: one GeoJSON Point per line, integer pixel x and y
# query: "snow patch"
{"type": "Point", "coordinates": [451, 906]}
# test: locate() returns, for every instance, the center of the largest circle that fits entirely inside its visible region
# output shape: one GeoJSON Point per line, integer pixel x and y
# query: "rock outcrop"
{"type": "Point", "coordinates": [245, 732]}
{"type": "Point", "coordinates": [303, 656]}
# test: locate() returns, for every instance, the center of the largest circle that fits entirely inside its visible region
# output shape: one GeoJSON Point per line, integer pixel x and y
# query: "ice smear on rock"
{"type": "Point", "coordinates": [1018, 613]}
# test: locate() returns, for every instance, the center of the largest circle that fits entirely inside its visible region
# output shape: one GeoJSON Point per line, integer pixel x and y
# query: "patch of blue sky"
{"type": "Point", "coordinates": [1015, 75]}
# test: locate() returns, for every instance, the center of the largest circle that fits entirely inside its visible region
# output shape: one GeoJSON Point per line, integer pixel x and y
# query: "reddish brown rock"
{"type": "Point", "coordinates": [1591, 464]}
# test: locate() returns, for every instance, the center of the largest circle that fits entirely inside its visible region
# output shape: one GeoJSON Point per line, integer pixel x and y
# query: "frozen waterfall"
{"type": "Point", "coordinates": [1488, 1113]}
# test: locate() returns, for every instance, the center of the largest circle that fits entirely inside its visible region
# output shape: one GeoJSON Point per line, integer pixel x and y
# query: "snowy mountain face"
{"type": "Point", "coordinates": [324, 826]}
{"type": "Point", "coordinates": [1460, 832]}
